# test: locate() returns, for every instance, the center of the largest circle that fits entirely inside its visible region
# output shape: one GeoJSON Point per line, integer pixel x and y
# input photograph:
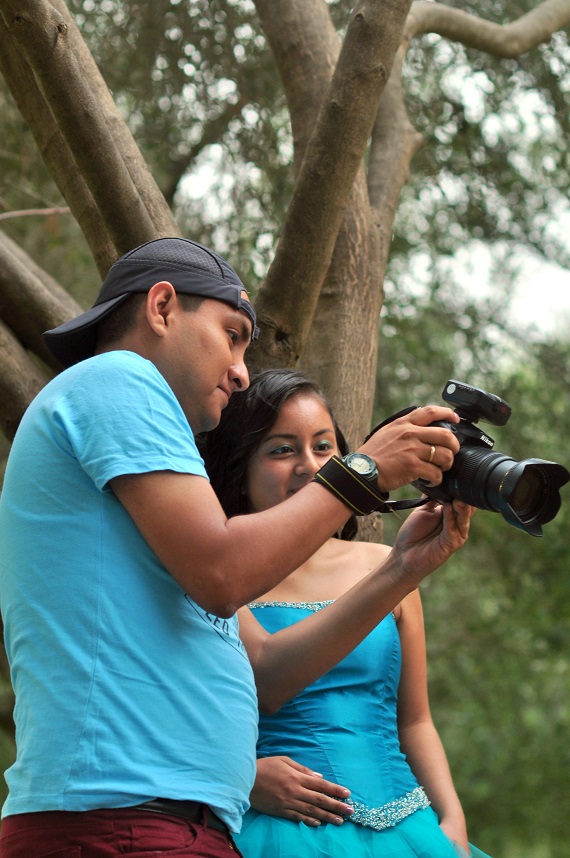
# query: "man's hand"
{"type": "Point", "coordinates": [285, 788]}
{"type": "Point", "coordinates": [430, 535]}
{"type": "Point", "coordinates": [409, 448]}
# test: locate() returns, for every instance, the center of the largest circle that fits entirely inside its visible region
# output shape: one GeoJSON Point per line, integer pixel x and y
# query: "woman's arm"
{"type": "Point", "coordinates": [419, 738]}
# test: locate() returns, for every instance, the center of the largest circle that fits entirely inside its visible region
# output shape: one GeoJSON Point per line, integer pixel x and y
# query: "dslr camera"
{"type": "Point", "coordinates": [525, 493]}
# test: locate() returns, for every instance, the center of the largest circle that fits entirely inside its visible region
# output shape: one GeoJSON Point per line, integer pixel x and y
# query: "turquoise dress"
{"type": "Point", "coordinates": [344, 726]}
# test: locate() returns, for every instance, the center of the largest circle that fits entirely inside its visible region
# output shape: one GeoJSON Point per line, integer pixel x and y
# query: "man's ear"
{"type": "Point", "coordinates": [160, 303]}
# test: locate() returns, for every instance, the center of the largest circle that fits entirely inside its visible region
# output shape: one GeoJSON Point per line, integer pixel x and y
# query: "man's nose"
{"type": "Point", "coordinates": [239, 376]}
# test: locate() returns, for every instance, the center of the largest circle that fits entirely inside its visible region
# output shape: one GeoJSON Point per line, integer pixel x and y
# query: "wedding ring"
{"type": "Point", "coordinates": [431, 454]}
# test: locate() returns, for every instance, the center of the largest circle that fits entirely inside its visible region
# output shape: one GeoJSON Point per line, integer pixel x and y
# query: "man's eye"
{"type": "Point", "coordinates": [234, 336]}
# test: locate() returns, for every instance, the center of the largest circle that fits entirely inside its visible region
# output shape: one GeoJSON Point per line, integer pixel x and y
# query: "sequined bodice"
{"type": "Point", "coordinates": [344, 725]}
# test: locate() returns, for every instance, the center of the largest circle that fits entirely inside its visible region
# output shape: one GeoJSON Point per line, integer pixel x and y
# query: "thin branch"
{"type": "Point", "coordinates": [305, 46]}
{"type": "Point", "coordinates": [394, 143]}
{"type": "Point", "coordinates": [30, 212]}
{"type": "Point", "coordinates": [499, 40]}
{"type": "Point", "coordinates": [212, 131]}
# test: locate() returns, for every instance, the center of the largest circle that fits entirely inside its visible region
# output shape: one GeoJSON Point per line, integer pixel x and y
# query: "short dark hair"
{"type": "Point", "coordinates": [122, 320]}
{"type": "Point", "coordinates": [245, 422]}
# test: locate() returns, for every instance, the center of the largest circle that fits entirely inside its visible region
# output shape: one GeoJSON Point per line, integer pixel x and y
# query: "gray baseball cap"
{"type": "Point", "coordinates": [192, 268]}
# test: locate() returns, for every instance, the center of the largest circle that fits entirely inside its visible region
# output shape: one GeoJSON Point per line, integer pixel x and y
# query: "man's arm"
{"type": "Point", "coordinates": [225, 563]}
{"type": "Point", "coordinates": [287, 661]}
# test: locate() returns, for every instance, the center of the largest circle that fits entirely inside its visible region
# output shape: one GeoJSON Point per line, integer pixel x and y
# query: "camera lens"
{"type": "Point", "coordinates": [527, 496]}
{"type": "Point", "coordinates": [525, 493]}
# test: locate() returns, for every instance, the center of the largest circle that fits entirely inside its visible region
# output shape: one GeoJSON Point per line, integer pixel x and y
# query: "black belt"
{"type": "Point", "coordinates": [194, 811]}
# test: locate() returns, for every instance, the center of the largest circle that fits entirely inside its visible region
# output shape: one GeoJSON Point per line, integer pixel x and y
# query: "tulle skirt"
{"type": "Point", "coordinates": [417, 836]}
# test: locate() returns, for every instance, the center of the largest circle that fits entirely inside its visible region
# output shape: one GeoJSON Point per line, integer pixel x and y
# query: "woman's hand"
{"type": "Point", "coordinates": [457, 832]}
{"type": "Point", "coordinates": [285, 788]}
{"type": "Point", "coordinates": [430, 535]}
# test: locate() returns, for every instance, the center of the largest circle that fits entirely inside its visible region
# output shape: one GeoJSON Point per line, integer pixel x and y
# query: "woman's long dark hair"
{"type": "Point", "coordinates": [245, 422]}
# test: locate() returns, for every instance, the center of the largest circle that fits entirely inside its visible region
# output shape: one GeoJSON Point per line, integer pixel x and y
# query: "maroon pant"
{"type": "Point", "coordinates": [111, 833]}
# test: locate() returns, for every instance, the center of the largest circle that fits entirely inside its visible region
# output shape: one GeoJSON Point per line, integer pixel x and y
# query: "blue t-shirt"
{"type": "Point", "coordinates": [125, 688]}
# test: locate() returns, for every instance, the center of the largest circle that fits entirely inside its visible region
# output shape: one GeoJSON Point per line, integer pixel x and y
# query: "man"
{"type": "Point", "coordinates": [120, 575]}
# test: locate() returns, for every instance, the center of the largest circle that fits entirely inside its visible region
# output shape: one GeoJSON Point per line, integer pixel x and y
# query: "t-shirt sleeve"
{"type": "Point", "coordinates": [121, 417]}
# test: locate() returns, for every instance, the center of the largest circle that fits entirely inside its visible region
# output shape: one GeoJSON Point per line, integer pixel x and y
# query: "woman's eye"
{"type": "Point", "coordinates": [323, 447]}
{"type": "Point", "coordinates": [281, 450]}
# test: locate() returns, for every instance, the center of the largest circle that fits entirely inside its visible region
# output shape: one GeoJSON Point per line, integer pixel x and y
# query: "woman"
{"type": "Point", "coordinates": [366, 723]}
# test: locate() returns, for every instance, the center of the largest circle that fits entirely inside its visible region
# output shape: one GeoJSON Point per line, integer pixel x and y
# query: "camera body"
{"type": "Point", "coordinates": [525, 493]}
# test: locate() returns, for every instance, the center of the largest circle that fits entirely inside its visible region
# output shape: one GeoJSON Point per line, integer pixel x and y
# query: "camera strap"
{"type": "Point", "coordinates": [357, 493]}
{"type": "Point", "coordinates": [391, 419]}
{"type": "Point", "coordinates": [411, 503]}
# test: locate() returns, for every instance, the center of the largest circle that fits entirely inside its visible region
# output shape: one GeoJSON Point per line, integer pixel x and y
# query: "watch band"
{"type": "Point", "coordinates": [359, 495]}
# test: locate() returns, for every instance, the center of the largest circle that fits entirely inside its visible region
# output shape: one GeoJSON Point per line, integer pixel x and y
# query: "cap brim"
{"type": "Point", "coordinates": [76, 340]}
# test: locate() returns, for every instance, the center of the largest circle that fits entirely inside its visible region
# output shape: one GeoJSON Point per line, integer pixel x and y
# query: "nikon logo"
{"type": "Point", "coordinates": [486, 440]}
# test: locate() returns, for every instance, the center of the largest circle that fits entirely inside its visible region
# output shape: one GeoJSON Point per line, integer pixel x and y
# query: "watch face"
{"type": "Point", "coordinates": [362, 464]}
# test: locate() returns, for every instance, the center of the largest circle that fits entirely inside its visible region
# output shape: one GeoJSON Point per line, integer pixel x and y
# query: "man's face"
{"type": "Point", "coordinates": [204, 362]}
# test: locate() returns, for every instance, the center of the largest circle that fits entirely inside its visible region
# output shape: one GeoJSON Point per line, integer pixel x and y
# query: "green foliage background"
{"type": "Point", "coordinates": [497, 614]}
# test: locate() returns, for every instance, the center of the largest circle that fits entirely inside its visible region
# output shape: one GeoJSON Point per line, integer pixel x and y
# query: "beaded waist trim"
{"type": "Point", "coordinates": [389, 814]}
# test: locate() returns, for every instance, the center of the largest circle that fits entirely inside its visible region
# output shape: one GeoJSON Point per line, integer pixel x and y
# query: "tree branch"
{"type": "Point", "coordinates": [394, 139]}
{"type": "Point", "coordinates": [305, 46]}
{"type": "Point", "coordinates": [499, 40]}
{"type": "Point", "coordinates": [393, 144]}
{"type": "Point", "coordinates": [53, 148]}
{"type": "Point", "coordinates": [30, 212]}
{"type": "Point", "coordinates": [20, 381]}
{"type": "Point", "coordinates": [30, 300]}
{"type": "Point", "coordinates": [96, 136]}
{"type": "Point", "coordinates": [326, 178]}
{"type": "Point", "coordinates": [211, 133]}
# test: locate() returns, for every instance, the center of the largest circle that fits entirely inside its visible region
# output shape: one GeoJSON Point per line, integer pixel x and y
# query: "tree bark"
{"type": "Point", "coordinates": [20, 381]}
{"type": "Point", "coordinates": [94, 139]}
{"type": "Point", "coordinates": [30, 300]}
{"type": "Point", "coordinates": [324, 194]}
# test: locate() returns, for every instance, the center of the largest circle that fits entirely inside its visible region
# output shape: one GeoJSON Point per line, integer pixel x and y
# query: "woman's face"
{"type": "Point", "coordinates": [300, 442]}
